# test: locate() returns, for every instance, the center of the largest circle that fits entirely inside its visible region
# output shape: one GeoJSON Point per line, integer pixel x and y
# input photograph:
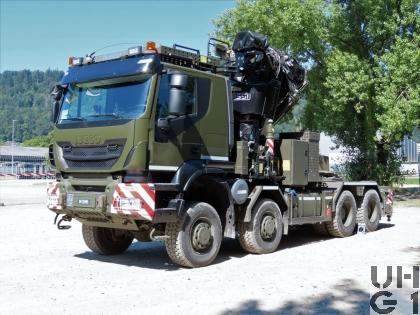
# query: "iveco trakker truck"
{"type": "Point", "coordinates": [163, 143]}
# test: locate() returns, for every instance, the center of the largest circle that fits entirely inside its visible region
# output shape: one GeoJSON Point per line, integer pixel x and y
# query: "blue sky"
{"type": "Point", "coordinates": [43, 34]}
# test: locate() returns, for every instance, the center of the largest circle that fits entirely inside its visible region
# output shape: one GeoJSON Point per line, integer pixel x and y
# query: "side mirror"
{"type": "Point", "coordinates": [178, 95]}
{"type": "Point", "coordinates": [56, 110]}
{"type": "Point", "coordinates": [57, 94]}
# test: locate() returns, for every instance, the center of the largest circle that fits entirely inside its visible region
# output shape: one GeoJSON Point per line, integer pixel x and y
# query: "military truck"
{"type": "Point", "coordinates": [163, 143]}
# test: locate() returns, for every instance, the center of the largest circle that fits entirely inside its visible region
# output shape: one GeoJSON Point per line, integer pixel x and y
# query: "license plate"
{"type": "Point", "coordinates": [130, 204]}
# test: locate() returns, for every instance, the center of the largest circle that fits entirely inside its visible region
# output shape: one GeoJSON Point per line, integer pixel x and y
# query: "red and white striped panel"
{"type": "Point", "coordinates": [53, 193]}
{"type": "Point", "coordinates": [136, 200]}
{"type": "Point", "coordinates": [269, 143]}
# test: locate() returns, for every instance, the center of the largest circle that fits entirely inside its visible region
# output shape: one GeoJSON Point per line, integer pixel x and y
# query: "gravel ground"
{"type": "Point", "coordinates": [47, 271]}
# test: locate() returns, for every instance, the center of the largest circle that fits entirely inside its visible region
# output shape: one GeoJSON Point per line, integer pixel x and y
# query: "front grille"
{"type": "Point", "coordinates": [91, 164]}
{"type": "Point", "coordinates": [89, 156]}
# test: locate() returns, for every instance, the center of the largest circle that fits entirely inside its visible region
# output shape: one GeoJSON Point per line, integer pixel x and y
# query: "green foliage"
{"type": "Point", "coordinates": [412, 181]}
{"type": "Point", "coordinates": [24, 96]}
{"type": "Point", "coordinates": [416, 134]}
{"type": "Point", "coordinates": [291, 122]}
{"type": "Point", "coordinates": [363, 63]}
{"type": "Point", "coordinates": [398, 89]}
{"type": "Point", "coordinates": [39, 141]}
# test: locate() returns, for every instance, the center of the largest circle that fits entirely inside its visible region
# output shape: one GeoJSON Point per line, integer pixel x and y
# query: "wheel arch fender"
{"type": "Point", "coordinates": [270, 192]}
{"type": "Point", "coordinates": [197, 182]}
{"type": "Point", "coordinates": [190, 171]}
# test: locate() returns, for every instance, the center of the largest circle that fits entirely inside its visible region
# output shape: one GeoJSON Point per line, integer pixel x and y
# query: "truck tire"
{"type": "Point", "coordinates": [195, 239]}
{"type": "Point", "coordinates": [344, 217]}
{"type": "Point", "coordinates": [106, 241]}
{"type": "Point", "coordinates": [263, 234]}
{"type": "Point", "coordinates": [320, 229]}
{"type": "Point", "coordinates": [370, 212]}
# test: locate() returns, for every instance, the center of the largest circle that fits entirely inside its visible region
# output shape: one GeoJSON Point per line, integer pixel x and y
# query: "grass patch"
{"type": "Point", "coordinates": [407, 203]}
{"type": "Point", "coordinates": [411, 181]}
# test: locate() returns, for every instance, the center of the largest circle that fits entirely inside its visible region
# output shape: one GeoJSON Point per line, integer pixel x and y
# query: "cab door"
{"type": "Point", "coordinates": [182, 140]}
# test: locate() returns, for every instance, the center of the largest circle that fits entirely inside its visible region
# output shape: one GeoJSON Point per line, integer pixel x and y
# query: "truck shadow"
{"type": "Point", "coordinates": [354, 299]}
{"type": "Point", "coordinates": [385, 226]}
{"type": "Point", "coordinates": [153, 255]}
{"type": "Point", "coordinates": [305, 235]}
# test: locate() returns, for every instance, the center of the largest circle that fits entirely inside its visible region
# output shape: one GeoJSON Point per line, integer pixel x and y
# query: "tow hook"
{"type": "Point", "coordinates": [157, 235]}
{"type": "Point", "coordinates": [64, 218]}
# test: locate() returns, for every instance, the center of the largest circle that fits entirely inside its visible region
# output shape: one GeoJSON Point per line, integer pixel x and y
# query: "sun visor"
{"type": "Point", "coordinates": [148, 64]}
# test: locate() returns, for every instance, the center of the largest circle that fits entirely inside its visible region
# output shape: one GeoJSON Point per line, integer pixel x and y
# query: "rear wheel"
{"type": "Point", "coordinates": [344, 217]}
{"type": "Point", "coordinates": [370, 212]}
{"type": "Point", "coordinates": [106, 241]}
{"type": "Point", "coordinates": [263, 234]}
{"type": "Point", "coordinates": [195, 239]}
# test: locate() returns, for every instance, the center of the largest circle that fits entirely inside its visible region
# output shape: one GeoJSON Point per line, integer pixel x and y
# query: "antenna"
{"type": "Point", "coordinates": [112, 45]}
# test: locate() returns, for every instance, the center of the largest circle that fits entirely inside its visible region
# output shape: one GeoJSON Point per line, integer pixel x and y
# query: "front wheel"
{"type": "Point", "coordinates": [195, 239]}
{"type": "Point", "coordinates": [106, 241]}
{"type": "Point", "coordinates": [263, 234]}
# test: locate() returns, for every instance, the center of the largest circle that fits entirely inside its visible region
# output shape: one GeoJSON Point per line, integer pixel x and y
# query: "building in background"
{"type": "Point", "coordinates": [408, 151]}
{"type": "Point", "coordinates": [28, 162]}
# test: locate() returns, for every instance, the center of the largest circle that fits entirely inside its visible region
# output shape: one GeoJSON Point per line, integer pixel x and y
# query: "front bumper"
{"type": "Point", "coordinates": [120, 202]}
{"type": "Point", "coordinates": [133, 200]}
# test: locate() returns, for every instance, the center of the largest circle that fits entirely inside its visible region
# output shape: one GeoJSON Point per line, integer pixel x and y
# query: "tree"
{"type": "Point", "coordinates": [40, 141]}
{"type": "Point", "coordinates": [362, 59]}
{"type": "Point", "coordinates": [24, 97]}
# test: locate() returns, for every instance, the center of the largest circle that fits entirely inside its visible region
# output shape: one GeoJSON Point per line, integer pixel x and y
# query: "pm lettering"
{"type": "Point", "coordinates": [414, 276]}
{"type": "Point", "coordinates": [376, 308]}
{"type": "Point", "coordinates": [393, 281]}
{"type": "Point", "coordinates": [374, 277]}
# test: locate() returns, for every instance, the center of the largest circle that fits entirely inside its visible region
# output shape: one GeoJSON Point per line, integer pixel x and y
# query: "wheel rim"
{"type": "Point", "coordinates": [201, 236]}
{"type": "Point", "coordinates": [268, 227]}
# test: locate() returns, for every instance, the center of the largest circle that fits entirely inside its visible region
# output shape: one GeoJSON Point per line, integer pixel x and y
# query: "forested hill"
{"type": "Point", "coordinates": [24, 96]}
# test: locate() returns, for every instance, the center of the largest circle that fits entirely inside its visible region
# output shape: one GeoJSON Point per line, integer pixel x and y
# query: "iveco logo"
{"type": "Point", "coordinates": [88, 139]}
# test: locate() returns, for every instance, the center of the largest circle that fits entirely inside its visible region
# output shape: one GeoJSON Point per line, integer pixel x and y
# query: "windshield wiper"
{"type": "Point", "coordinates": [116, 116]}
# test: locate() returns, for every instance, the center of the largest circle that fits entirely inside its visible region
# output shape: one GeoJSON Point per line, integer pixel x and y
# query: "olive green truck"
{"type": "Point", "coordinates": [163, 143]}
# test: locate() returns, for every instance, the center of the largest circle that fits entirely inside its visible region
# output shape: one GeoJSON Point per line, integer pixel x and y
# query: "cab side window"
{"type": "Point", "coordinates": [163, 96]}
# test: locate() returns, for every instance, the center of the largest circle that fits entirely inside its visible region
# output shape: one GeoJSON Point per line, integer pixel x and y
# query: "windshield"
{"type": "Point", "coordinates": [96, 101]}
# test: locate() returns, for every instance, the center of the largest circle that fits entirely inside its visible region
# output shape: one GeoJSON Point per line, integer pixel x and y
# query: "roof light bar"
{"type": "Point", "coordinates": [183, 57]}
